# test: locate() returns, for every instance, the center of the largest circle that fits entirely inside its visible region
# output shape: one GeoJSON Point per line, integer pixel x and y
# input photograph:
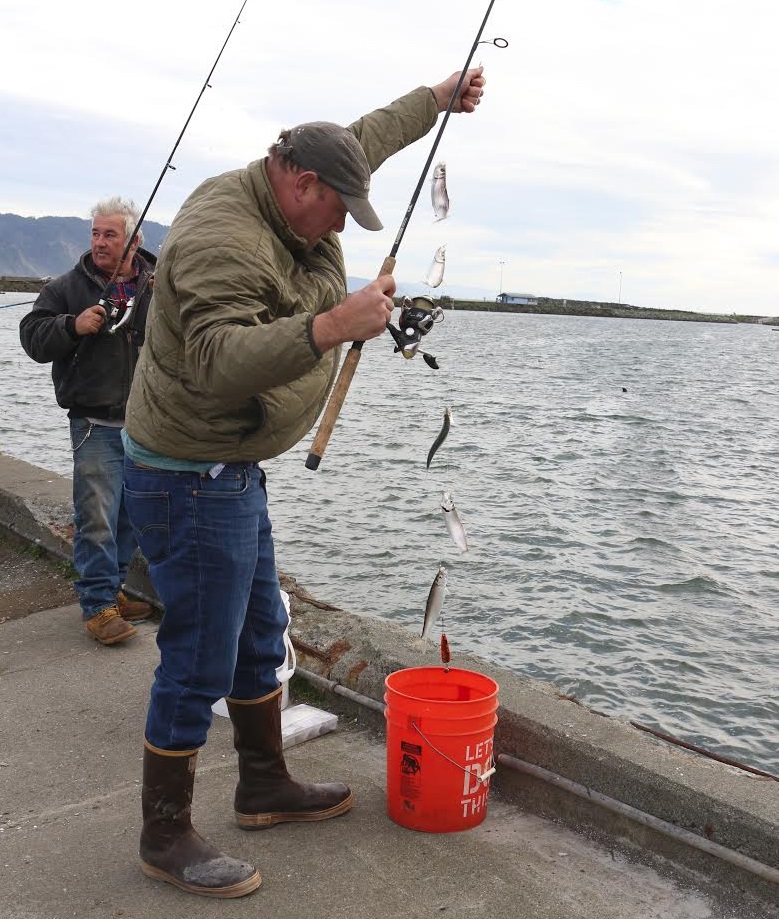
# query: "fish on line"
{"type": "Point", "coordinates": [436, 273]}
{"type": "Point", "coordinates": [435, 601]}
{"type": "Point", "coordinates": [441, 436]}
{"type": "Point", "coordinates": [438, 192]}
{"type": "Point", "coordinates": [454, 524]}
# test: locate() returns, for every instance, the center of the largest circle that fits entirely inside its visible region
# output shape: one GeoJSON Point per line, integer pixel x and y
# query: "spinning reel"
{"type": "Point", "coordinates": [417, 318]}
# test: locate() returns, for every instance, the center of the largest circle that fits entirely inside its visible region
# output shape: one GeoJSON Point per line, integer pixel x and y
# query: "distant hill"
{"type": "Point", "coordinates": [41, 247]}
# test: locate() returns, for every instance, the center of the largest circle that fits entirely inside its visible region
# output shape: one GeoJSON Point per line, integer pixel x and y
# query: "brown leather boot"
{"type": "Point", "coordinates": [109, 628]}
{"type": "Point", "coordinates": [170, 849]}
{"type": "Point", "coordinates": [132, 610]}
{"type": "Point", "coordinates": [266, 793]}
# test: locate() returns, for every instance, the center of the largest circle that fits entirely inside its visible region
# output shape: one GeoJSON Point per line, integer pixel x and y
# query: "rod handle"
{"type": "Point", "coordinates": [340, 389]}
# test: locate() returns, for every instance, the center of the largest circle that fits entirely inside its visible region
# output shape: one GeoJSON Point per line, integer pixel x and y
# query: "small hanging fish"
{"type": "Point", "coordinates": [438, 192]}
{"type": "Point", "coordinates": [435, 600]}
{"type": "Point", "coordinates": [453, 523]}
{"type": "Point", "coordinates": [441, 436]}
{"type": "Point", "coordinates": [436, 273]}
{"type": "Point", "coordinates": [446, 654]}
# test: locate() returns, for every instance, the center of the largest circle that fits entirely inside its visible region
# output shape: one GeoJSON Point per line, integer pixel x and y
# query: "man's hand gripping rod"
{"type": "Point", "coordinates": [340, 389]}
{"type": "Point", "coordinates": [352, 359]}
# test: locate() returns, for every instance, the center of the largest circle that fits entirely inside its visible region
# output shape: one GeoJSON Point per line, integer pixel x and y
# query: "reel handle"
{"type": "Point", "coordinates": [340, 389]}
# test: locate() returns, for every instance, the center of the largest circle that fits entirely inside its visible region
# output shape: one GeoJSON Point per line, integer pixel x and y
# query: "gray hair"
{"type": "Point", "coordinates": [116, 206]}
{"type": "Point", "coordinates": [281, 152]}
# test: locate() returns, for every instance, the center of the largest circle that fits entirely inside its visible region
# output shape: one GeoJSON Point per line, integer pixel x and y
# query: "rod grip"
{"type": "Point", "coordinates": [340, 389]}
{"type": "Point", "coordinates": [387, 266]}
{"type": "Point", "coordinates": [334, 405]}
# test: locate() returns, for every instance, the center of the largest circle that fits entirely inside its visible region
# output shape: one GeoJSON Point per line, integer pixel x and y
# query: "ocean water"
{"type": "Point", "coordinates": [617, 480]}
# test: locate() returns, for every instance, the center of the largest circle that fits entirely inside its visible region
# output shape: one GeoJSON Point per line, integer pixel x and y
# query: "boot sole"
{"type": "Point", "coordinates": [223, 893]}
{"type": "Point", "coordinates": [264, 821]}
{"type": "Point", "coordinates": [116, 639]}
{"type": "Point", "coordinates": [142, 617]}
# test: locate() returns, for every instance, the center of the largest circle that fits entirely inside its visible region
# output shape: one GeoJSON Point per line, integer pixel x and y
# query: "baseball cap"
{"type": "Point", "coordinates": [335, 155]}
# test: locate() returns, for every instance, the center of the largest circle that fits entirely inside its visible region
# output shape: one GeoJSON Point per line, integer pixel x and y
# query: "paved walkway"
{"type": "Point", "coordinates": [70, 766]}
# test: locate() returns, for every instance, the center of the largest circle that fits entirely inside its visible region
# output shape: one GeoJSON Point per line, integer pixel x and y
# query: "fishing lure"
{"type": "Point", "coordinates": [453, 523]}
{"type": "Point", "coordinates": [441, 436]}
{"type": "Point", "coordinates": [436, 274]}
{"type": "Point", "coordinates": [435, 600]}
{"type": "Point", "coordinates": [446, 654]}
{"type": "Point", "coordinates": [439, 193]}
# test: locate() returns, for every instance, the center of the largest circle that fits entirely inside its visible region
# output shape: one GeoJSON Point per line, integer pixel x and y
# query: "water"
{"type": "Point", "coordinates": [618, 483]}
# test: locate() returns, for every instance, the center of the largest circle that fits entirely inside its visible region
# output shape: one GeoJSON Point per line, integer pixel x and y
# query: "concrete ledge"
{"type": "Point", "coordinates": [728, 806]}
{"type": "Point", "coordinates": [720, 803]}
{"type": "Point", "coordinates": [37, 505]}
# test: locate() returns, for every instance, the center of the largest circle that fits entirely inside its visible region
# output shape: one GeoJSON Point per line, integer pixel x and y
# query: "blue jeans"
{"type": "Point", "coordinates": [103, 540]}
{"type": "Point", "coordinates": [211, 559]}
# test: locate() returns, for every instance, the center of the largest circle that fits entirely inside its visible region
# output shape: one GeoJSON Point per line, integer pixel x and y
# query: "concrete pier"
{"type": "Point", "coordinates": [688, 837]}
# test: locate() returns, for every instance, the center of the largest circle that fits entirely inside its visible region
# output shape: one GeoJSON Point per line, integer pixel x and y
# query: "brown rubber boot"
{"type": "Point", "coordinates": [170, 849]}
{"type": "Point", "coordinates": [109, 628]}
{"type": "Point", "coordinates": [132, 610]}
{"type": "Point", "coordinates": [266, 793]}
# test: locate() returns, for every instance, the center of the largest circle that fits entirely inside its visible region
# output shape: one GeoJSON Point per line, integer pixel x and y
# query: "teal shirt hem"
{"type": "Point", "coordinates": [139, 454]}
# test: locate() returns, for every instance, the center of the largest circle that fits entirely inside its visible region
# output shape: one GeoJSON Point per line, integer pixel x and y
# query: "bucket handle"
{"type": "Point", "coordinates": [289, 648]}
{"type": "Point", "coordinates": [482, 778]}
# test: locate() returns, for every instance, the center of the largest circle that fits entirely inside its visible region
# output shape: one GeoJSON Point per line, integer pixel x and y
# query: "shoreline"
{"type": "Point", "coordinates": [555, 307]}
{"type": "Point", "coordinates": [543, 306]}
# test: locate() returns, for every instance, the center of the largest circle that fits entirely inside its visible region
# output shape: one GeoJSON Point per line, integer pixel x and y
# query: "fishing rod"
{"type": "Point", "coordinates": [113, 314]}
{"type": "Point", "coordinates": [7, 306]}
{"type": "Point", "coordinates": [352, 359]}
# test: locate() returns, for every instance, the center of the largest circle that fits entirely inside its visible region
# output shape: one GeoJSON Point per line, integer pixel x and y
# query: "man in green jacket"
{"type": "Point", "coordinates": [242, 346]}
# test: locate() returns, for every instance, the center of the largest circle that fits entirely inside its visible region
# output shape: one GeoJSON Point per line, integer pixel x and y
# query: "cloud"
{"type": "Point", "coordinates": [618, 139]}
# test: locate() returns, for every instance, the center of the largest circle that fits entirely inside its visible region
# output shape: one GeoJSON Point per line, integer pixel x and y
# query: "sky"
{"type": "Point", "coordinates": [625, 150]}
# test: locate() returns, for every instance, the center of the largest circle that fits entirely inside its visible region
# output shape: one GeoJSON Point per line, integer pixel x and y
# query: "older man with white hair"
{"type": "Point", "coordinates": [92, 370]}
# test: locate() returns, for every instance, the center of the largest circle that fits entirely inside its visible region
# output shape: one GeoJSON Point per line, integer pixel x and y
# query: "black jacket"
{"type": "Point", "coordinates": [91, 373]}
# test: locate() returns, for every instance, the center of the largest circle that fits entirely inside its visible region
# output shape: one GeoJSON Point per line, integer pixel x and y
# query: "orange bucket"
{"type": "Point", "coordinates": [440, 726]}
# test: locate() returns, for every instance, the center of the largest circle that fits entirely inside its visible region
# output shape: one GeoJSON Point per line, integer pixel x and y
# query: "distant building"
{"type": "Point", "coordinates": [522, 299]}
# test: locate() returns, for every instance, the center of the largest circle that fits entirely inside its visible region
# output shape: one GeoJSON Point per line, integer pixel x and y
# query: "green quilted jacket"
{"type": "Point", "coordinates": [229, 371]}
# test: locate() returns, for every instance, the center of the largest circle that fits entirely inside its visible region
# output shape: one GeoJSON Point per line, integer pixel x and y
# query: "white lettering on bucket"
{"type": "Point", "coordinates": [473, 806]}
{"type": "Point", "coordinates": [472, 782]}
{"type": "Point", "coordinates": [482, 749]}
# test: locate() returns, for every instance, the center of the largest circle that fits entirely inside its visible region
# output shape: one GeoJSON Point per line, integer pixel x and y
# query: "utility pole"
{"type": "Point", "coordinates": [501, 263]}
{"type": "Point", "coordinates": [620, 289]}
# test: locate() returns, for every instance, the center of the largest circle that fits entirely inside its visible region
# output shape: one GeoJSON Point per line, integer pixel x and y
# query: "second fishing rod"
{"type": "Point", "coordinates": [352, 359]}
{"type": "Point", "coordinates": [117, 316]}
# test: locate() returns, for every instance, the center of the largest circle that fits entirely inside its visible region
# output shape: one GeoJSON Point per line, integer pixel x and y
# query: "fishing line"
{"type": "Point", "coordinates": [168, 165]}
{"type": "Point", "coordinates": [352, 359]}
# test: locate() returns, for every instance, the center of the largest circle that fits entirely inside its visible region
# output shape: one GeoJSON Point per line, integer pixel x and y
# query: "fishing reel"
{"type": "Point", "coordinates": [119, 315]}
{"type": "Point", "coordinates": [417, 318]}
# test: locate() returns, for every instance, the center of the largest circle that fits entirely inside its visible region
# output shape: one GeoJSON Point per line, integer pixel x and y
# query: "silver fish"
{"type": "Point", "coordinates": [436, 273]}
{"type": "Point", "coordinates": [453, 523]}
{"type": "Point", "coordinates": [438, 192]}
{"type": "Point", "coordinates": [435, 600]}
{"type": "Point", "coordinates": [441, 436]}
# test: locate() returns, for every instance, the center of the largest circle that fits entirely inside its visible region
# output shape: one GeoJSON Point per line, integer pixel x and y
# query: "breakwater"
{"type": "Point", "coordinates": [718, 825]}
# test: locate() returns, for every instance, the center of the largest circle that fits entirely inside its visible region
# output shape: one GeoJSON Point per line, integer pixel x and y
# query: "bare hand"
{"type": "Point", "coordinates": [361, 316]}
{"type": "Point", "coordinates": [90, 321]}
{"type": "Point", "coordinates": [469, 94]}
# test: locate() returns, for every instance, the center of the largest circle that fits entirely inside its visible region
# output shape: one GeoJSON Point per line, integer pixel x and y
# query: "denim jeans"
{"type": "Point", "coordinates": [211, 559]}
{"type": "Point", "coordinates": [103, 540]}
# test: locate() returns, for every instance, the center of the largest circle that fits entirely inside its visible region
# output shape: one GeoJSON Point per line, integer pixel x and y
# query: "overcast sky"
{"type": "Point", "coordinates": [625, 149]}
